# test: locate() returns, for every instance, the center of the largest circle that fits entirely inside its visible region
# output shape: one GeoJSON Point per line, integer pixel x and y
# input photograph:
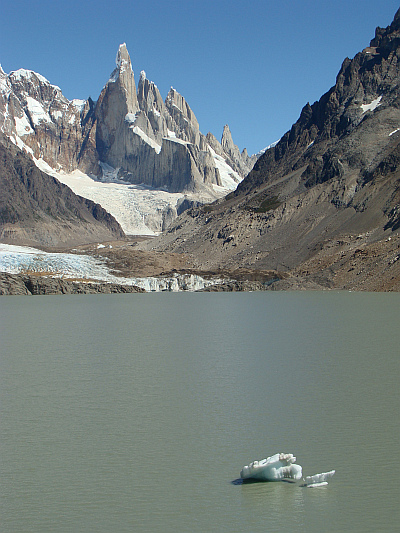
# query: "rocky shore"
{"type": "Point", "coordinates": [22, 284]}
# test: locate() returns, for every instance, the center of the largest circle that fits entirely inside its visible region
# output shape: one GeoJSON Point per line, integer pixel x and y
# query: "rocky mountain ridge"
{"type": "Point", "coordinates": [143, 138]}
{"type": "Point", "coordinates": [330, 186]}
{"type": "Point", "coordinates": [36, 209]}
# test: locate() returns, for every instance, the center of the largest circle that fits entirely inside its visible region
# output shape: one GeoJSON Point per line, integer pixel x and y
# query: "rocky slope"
{"type": "Point", "coordinates": [35, 209]}
{"type": "Point", "coordinates": [328, 190]}
{"type": "Point", "coordinates": [141, 137]}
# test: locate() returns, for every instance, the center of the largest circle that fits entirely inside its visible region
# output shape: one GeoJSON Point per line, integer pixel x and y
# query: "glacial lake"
{"type": "Point", "coordinates": [136, 413]}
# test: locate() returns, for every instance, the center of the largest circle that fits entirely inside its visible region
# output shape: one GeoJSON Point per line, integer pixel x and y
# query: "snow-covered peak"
{"type": "Point", "coordinates": [123, 63]}
{"type": "Point", "coordinates": [23, 74]}
{"type": "Point", "coordinates": [123, 60]}
{"type": "Point", "coordinates": [142, 75]}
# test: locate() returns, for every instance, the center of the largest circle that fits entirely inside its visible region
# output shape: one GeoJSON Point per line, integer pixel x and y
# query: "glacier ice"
{"type": "Point", "coordinates": [281, 466]}
{"type": "Point", "coordinates": [275, 468]}
{"type": "Point", "coordinates": [318, 480]}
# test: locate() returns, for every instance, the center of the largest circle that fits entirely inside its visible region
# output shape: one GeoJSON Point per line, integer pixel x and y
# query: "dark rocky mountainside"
{"type": "Point", "coordinates": [326, 197]}
{"type": "Point", "coordinates": [36, 209]}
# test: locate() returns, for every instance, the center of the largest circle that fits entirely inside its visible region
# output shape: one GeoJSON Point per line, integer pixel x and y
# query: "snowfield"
{"type": "Point", "coordinates": [138, 208]}
{"type": "Point", "coordinates": [21, 259]}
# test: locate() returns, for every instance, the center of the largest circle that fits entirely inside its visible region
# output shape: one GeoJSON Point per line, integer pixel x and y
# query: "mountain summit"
{"type": "Point", "coordinates": [143, 138]}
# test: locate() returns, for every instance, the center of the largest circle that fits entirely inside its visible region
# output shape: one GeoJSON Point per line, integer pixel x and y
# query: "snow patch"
{"type": "Point", "coordinates": [229, 177]}
{"type": "Point", "coordinates": [79, 104]}
{"type": "Point", "coordinates": [393, 132]}
{"type": "Point", "coordinates": [36, 111]}
{"type": "Point", "coordinates": [175, 139]}
{"type": "Point", "coordinates": [22, 125]}
{"type": "Point", "coordinates": [148, 140]}
{"type": "Point", "coordinates": [57, 114]}
{"type": "Point", "coordinates": [372, 106]}
{"type": "Point", "coordinates": [261, 152]}
{"type": "Point", "coordinates": [130, 117]}
{"type": "Point", "coordinates": [21, 145]}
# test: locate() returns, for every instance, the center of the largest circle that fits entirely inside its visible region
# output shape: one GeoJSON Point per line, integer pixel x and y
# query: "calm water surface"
{"type": "Point", "coordinates": [136, 412]}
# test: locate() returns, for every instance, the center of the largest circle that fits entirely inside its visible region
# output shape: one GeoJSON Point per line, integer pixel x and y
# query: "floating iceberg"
{"type": "Point", "coordinates": [318, 480]}
{"type": "Point", "coordinates": [281, 466]}
{"type": "Point", "coordinates": [275, 468]}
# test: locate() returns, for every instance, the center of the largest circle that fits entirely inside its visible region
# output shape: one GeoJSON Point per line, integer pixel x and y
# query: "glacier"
{"type": "Point", "coordinates": [280, 467]}
{"type": "Point", "coordinates": [22, 259]}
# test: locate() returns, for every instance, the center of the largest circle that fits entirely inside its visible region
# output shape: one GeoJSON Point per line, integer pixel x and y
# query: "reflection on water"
{"type": "Point", "coordinates": [137, 412]}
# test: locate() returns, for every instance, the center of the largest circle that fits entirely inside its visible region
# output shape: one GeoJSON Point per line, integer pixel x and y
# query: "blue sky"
{"type": "Point", "coordinates": [252, 65]}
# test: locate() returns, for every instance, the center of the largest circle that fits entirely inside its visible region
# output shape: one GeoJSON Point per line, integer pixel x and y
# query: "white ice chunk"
{"type": "Point", "coordinates": [318, 480]}
{"type": "Point", "coordinates": [281, 466]}
{"type": "Point", "coordinates": [372, 106]}
{"type": "Point", "coordinates": [275, 468]}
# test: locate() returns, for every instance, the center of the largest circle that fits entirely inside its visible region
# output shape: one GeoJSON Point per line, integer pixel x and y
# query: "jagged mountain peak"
{"type": "Point", "coordinates": [123, 59]}
{"type": "Point", "coordinates": [24, 74]}
{"type": "Point", "coordinates": [226, 139]}
{"type": "Point", "coordinates": [132, 129]}
{"type": "Point", "coordinates": [123, 73]}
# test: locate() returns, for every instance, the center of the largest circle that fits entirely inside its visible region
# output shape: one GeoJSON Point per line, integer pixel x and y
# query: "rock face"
{"type": "Point", "coordinates": [134, 131]}
{"type": "Point", "coordinates": [22, 284]}
{"type": "Point", "coordinates": [327, 192]}
{"type": "Point", "coordinates": [36, 209]}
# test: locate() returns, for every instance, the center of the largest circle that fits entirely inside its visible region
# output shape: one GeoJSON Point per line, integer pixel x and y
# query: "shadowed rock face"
{"type": "Point", "coordinates": [330, 186]}
{"type": "Point", "coordinates": [150, 141]}
{"type": "Point", "coordinates": [36, 209]}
